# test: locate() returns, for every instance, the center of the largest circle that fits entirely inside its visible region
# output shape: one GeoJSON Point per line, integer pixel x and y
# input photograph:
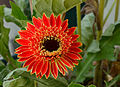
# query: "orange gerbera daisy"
{"type": "Point", "coordinates": [48, 46]}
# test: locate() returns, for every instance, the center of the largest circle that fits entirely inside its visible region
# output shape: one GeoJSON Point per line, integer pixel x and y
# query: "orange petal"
{"type": "Point", "coordinates": [23, 41]}
{"type": "Point", "coordinates": [74, 37]}
{"type": "Point", "coordinates": [48, 70]}
{"type": "Point", "coordinates": [71, 31]}
{"type": "Point", "coordinates": [23, 59]}
{"type": "Point", "coordinates": [53, 71]}
{"type": "Point", "coordinates": [36, 22]}
{"type": "Point", "coordinates": [30, 66]}
{"type": "Point", "coordinates": [39, 66]}
{"type": "Point", "coordinates": [60, 69]}
{"type": "Point", "coordinates": [22, 47]}
{"type": "Point", "coordinates": [31, 27]}
{"type": "Point", "coordinates": [34, 67]}
{"type": "Point", "coordinates": [66, 62]}
{"type": "Point", "coordinates": [21, 51]}
{"type": "Point", "coordinates": [26, 54]}
{"type": "Point", "coordinates": [28, 62]}
{"type": "Point", "coordinates": [44, 68]}
{"type": "Point", "coordinates": [72, 56]}
{"type": "Point", "coordinates": [52, 20]}
{"type": "Point", "coordinates": [76, 44]}
{"type": "Point", "coordinates": [58, 21]}
{"type": "Point", "coordinates": [46, 21]}
{"type": "Point", "coordinates": [64, 25]}
{"type": "Point", "coordinates": [75, 49]}
{"type": "Point", "coordinates": [63, 66]}
{"type": "Point", "coordinates": [25, 34]}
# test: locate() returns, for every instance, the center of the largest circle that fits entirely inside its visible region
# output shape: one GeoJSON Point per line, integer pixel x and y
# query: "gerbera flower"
{"type": "Point", "coordinates": [48, 46]}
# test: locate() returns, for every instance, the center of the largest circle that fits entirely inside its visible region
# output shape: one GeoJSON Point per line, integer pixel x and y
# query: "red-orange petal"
{"type": "Point", "coordinates": [71, 31]}
{"type": "Point", "coordinates": [52, 20]}
{"type": "Point", "coordinates": [22, 47]}
{"type": "Point", "coordinates": [66, 62]}
{"type": "Point", "coordinates": [39, 66]}
{"type": "Point", "coordinates": [25, 34]}
{"type": "Point", "coordinates": [23, 59]}
{"type": "Point", "coordinates": [21, 51]}
{"type": "Point", "coordinates": [48, 70]}
{"type": "Point", "coordinates": [23, 41]}
{"type": "Point", "coordinates": [30, 27]}
{"type": "Point", "coordinates": [63, 66]}
{"type": "Point", "coordinates": [36, 22]}
{"type": "Point", "coordinates": [28, 62]}
{"type": "Point", "coordinates": [74, 37]}
{"type": "Point", "coordinates": [46, 21]}
{"type": "Point", "coordinates": [75, 49]}
{"type": "Point", "coordinates": [76, 44]}
{"type": "Point", "coordinates": [34, 67]}
{"type": "Point", "coordinates": [64, 25]}
{"type": "Point", "coordinates": [72, 56]}
{"type": "Point", "coordinates": [53, 71]}
{"type": "Point", "coordinates": [26, 54]}
{"type": "Point", "coordinates": [44, 68]}
{"type": "Point", "coordinates": [58, 21]}
{"type": "Point", "coordinates": [30, 66]}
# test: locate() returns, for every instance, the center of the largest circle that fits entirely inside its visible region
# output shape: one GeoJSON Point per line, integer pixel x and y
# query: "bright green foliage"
{"type": "Point", "coordinates": [75, 85]}
{"type": "Point", "coordinates": [55, 6]}
{"type": "Point", "coordinates": [16, 12]}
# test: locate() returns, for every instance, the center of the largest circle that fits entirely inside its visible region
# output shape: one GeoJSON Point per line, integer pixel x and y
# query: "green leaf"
{"type": "Point", "coordinates": [51, 82]}
{"type": "Point", "coordinates": [16, 12]}
{"type": "Point", "coordinates": [19, 82]}
{"type": "Point", "coordinates": [75, 85]}
{"type": "Point", "coordinates": [87, 29]}
{"type": "Point", "coordinates": [94, 47]}
{"type": "Point", "coordinates": [109, 30]}
{"type": "Point", "coordinates": [55, 6]}
{"type": "Point", "coordinates": [91, 86]}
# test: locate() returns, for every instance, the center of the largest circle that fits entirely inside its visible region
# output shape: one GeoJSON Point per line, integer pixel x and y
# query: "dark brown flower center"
{"type": "Point", "coordinates": [51, 45]}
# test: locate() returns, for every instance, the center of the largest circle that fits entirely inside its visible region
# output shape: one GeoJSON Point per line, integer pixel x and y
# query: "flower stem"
{"type": "Point", "coordinates": [108, 14]}
{"type": "Point", "coordinates": [79, 21]}
{"type": "Point", "coordinates": [101, 13]}
{"type": "Point", "coordinates": [117, 10]}
{"type": "Point", "coordinates": [98, 70]}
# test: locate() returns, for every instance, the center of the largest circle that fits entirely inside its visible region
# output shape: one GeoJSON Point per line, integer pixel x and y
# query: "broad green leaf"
{"type": "Point", "coordinates": [94, 47]}
{"type": "Point", "coordinates": [87, 29]}
{"type": "Point", "coordinates": [19, 82]}
{"type": "Point", "coordinates": [17, 71]}
{"type": "Point", "coordinates": [75, 85]}
{"type": "Point", "coordinates": [16, 12]}
{"type": "Point", "coordinates": [55, 6]}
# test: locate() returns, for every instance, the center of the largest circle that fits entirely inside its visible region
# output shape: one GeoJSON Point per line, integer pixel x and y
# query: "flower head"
{"type": "Point", "coordinates": [47, 46]}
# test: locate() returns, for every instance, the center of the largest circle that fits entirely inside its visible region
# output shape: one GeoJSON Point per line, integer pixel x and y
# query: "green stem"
{"type": "Point", "coordinates": [101, 13]}
{"type": "Point", "coordinates": [108, 14]}
{"type": "Point", "coordinates": [117, 10]}
{"type": "Point", "coordinates": [79, 21]}
{"type": "Point", "coordinates": [98, 69]}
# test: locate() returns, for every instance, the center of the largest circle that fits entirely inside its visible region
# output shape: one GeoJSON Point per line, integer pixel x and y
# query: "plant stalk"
{"type": "Point", "coordinates": [79, 21]}
{"type": "Point", "coordinates": [98, 70]}
{"type": "Point", "coordinates": [117, 10]}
